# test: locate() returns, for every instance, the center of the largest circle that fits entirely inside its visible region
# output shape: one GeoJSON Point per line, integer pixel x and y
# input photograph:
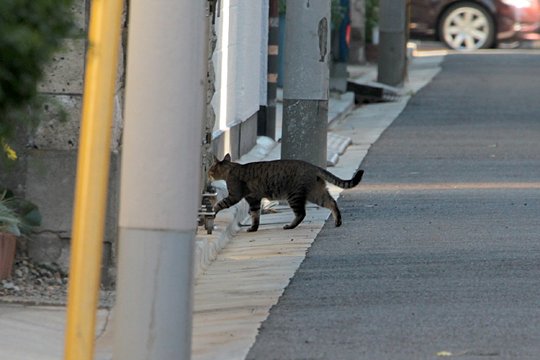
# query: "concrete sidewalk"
{"type": "Point", "coordinates": [239, 275]}
{"type": "Point", "coordinates": [234, 295]}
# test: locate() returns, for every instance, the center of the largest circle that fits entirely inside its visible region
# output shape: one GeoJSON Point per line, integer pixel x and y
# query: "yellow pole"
{"type": "Point", "coordinates": [92, 178]}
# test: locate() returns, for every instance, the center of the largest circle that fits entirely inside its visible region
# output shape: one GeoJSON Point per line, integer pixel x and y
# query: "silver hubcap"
{"type": "Point", "coordinates": [466, 28]}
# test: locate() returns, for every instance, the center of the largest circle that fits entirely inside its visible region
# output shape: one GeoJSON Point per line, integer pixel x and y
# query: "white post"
{"type": "Point", "coordinates": [161, 160]}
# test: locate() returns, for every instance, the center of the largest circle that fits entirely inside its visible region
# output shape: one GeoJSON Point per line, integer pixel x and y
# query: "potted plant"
{"type": "Point", "coordinates": [9, 230]}
{"type": "Point", "coordinates": [17, 217]}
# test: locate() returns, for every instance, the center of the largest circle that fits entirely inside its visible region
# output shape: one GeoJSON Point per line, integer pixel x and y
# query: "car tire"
{"type": "Point", "coordinates": [467, 26]}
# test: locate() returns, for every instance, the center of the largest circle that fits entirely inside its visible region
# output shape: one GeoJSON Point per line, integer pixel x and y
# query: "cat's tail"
{"type": "Point", "coordinates": [344, 184]}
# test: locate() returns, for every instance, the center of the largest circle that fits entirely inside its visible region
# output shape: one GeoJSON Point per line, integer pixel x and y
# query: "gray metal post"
{"type": "Point", "coordinates": [392, 60]}
{"type": "Point", "coordinates": [306, 81]}
{"type": "Point", "coordinates": [159, 197]}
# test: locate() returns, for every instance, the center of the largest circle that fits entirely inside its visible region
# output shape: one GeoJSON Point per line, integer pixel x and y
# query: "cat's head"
{"type": "Point", "coordinates": [220, 169]}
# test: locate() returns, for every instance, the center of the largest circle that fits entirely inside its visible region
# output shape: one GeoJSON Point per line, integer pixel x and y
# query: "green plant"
{"type": "Point", "coordinates": [372, 18]}
{"type": "Point", "coordinates": [31, 31]}
{"type": "Point", "coordinates": [282, 6]}
{"type": "Point", "coordinates": [17, 216]}
{"type": "Point", "coordinates": [9, 221]}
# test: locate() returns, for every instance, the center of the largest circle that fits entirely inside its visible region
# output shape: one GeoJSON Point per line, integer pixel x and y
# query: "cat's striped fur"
{"type": "Point", "coordinates": [293, 180]}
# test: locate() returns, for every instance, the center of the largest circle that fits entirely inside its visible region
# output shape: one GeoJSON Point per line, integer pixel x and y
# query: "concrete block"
{"type": "Point", "coordinates": [80, 9]}
{"type": "Point", "coordinates": [65, 73]}
{"type": "Point", "coordinates": [248, 135]}
{"type": "Point", "coordinates": [51, 185]}
{"type": "Point", "coordinates": [218, 146]}
{"type": "Point", "coordinates": [237, 140]}
{"type": "Point", "coordinates": [234, 141]}
{"type": "Point", "coordinates": [55, 133]}
{"type": "Point", "coordinates": [47, 248]}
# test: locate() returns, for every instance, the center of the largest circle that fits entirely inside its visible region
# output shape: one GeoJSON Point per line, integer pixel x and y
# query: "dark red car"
{"type": "Point", "coordinates": [476, 24]}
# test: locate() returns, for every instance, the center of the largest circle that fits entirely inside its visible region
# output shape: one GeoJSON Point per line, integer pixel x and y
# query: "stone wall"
{"type": "Point", "coordinates": [45, 173]}
{"type": "Point", "coordinates": [46, 169]}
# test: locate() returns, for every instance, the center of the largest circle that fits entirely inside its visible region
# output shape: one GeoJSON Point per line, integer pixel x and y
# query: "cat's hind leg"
{"type": "Point", "coordinates": [255, 212]}
{"type": "Point", "coordinates": [322, 197]}
{"type": "Point", "coordinates": [297, 202]}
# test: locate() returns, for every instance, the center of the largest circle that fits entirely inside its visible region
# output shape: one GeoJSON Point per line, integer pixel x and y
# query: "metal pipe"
{"type": "Point", "coordinates": [92, 178]}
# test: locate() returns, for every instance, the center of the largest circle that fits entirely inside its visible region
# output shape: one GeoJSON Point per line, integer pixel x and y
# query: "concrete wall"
{"type": "Point", "coordinates": [45, 173]}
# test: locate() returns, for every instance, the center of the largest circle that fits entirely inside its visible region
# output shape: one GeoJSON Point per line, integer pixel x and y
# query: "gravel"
{"type": "Point", "coordinates": [41, 284]}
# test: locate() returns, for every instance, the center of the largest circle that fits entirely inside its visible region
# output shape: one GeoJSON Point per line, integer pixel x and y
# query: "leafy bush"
{"type": "Point", "coordinates": [372, 18]}
{"type": "Point", "coordinates": [30, 32]}
{"type": "Point", "coordinates": [17, 215]}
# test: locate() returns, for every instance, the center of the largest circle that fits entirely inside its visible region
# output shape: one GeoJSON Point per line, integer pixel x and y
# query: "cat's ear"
{"type": "Point", "coordinates": [227, 157]}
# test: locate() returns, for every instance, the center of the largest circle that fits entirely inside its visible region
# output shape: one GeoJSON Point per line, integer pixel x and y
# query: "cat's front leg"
{"type": "Point", "coordinates": [255, 220]}
{"type": "Point", "coordinates": [254, 211]}
{"type": "Point", "coordinates": [225, 203]}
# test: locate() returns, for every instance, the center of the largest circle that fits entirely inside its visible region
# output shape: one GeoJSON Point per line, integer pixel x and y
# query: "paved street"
{"type": "Point", "coordinates": [439, 252]}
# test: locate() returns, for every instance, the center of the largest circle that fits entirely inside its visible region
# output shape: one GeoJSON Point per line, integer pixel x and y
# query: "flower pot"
{"type": "Point", "coordinates": [8, 243]}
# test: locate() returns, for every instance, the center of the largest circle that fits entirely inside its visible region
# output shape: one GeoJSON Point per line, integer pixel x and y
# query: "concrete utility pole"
{"type": "Point", "coordinates": [393, 29]}
{"type": "Point", "coordinates": [306, 81]}
{"type": "Point", "coordinates": [159, 198]}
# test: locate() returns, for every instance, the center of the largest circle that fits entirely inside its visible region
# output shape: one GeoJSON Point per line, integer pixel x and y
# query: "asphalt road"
{"type": "Point", "coordinates": [439, 252]}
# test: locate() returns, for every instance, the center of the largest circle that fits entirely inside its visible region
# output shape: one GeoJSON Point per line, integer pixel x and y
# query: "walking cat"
{"type": "Point", "coordinates": [293, 180]}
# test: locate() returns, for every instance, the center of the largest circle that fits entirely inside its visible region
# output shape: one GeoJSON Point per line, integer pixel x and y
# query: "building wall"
{"type": "Point", "coordinates": [240, 62]}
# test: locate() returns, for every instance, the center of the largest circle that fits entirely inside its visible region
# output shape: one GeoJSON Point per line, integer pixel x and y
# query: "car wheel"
{"type": "Point", "coordinates": [467, 26]}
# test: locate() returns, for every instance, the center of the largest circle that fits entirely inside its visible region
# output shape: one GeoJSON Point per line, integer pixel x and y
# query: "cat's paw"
{"type": "Point", "coordinates": [338, 223]}
{"type": "Point", "coordinates": [252, 229]}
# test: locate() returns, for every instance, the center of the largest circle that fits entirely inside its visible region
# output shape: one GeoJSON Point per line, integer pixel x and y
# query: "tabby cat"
{"type": "Point", "coordinates": [293, 180]}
